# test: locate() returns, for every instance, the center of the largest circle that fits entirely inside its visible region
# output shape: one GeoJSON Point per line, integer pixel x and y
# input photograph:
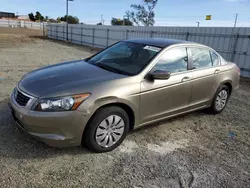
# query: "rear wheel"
{"type": "Point", "coordinates": [220, 100]}
{"type": "Point", "coordinates": [106, 129]}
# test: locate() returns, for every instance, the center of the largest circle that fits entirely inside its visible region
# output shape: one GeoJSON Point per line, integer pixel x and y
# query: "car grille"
{"type": "Point", "coordinates": [21, 99]}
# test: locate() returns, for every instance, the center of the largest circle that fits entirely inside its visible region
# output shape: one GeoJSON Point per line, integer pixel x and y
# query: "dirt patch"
{"type": "Point", "coordinates": [195, 150]}
{"type": "Point", "coordinates": [14, 41]}
{"type": "Point", "coordinates": [20, 31]}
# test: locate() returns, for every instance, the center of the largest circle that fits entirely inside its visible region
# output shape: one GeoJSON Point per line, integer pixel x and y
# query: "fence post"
{"type": "Point", "coordinates": [187, 34]}
{"type": "Point", "coordinates": [81, 34]}
{"type": "Point", "coordinates": [107, 42]}
{"type": "Point", "coordinates": [151, 34]}
{"type": "Point", "coordinates": [234, 46]}
{"type": "Point", "coordinates": [93, 38]}
{"type": "Point", "coordinates": [43, 30]}
{"type": "Point", "coordinates": [63, 32]}
{"type": "Point", "coordinates": [71, 31]}
{"type": "Point", "coordinates": [127, 31]}
{"type": "Point", "coordinates": [56, 32]}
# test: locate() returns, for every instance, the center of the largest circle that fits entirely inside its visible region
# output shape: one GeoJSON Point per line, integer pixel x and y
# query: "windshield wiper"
{"type": "Point", "coordinates": [111, 69]}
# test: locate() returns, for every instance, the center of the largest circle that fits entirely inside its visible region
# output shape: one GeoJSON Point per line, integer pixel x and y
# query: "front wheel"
{"type": "Point", "coordinates": [106, 129]}
{"type": "Point", "coordinates": [220, 100]}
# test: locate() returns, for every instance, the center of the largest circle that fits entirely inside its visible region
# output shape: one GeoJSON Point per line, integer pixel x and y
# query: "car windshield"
{"type": "Point", "coordinates": [125, 57]}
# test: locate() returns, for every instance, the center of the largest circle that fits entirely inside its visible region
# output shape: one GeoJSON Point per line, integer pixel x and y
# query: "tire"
{"type": "Point", "coordinates": [215, 108]}
{"type": "Point", "coordinates": [103, 129]}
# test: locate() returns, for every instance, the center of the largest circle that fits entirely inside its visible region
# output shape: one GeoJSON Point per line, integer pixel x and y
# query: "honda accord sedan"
{"type": "Point", "coordinates": [99, 100]}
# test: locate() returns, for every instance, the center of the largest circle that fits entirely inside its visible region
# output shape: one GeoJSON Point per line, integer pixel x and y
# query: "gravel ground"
{"type": "Point", "coordinates": [195, 150]}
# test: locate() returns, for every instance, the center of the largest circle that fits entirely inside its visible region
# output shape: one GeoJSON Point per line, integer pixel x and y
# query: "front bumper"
{"type": "Point", "coordinates": [57, 129]}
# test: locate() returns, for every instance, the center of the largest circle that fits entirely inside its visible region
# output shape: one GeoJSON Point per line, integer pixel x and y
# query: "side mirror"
{"type": "Point", "coordinates": [160, 75]}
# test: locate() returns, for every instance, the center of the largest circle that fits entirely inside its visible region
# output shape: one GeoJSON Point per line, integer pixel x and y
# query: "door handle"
{"type": "Point", "coordinates": [186, 78]}
{"type": "Point", "coordinates": [216, 71]}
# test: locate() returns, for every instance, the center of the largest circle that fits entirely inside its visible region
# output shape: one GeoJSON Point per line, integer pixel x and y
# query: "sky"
{"type": "Point", "coordinates": [168, 12]}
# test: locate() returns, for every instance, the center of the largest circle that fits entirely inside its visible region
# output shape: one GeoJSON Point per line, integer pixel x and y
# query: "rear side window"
{"type": "Point", "coordinates": [201, 58]}
{"type": "Point", "coordinates": [215, 59]}
{"type": "Point", "coordinates": [173, 60]}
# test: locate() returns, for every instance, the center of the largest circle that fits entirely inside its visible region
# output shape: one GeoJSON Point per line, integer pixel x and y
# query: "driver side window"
{"type": "Point", "coordinates": [173, 60]}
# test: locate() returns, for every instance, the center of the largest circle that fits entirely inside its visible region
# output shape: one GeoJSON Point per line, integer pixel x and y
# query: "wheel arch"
{"type": "Point", "coordinates": [124, 106]}
{"type": "Point", "coordinates": [227, 83]}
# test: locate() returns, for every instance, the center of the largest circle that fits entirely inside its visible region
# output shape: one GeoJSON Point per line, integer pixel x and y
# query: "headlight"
{"type": "Point", "coordinates": [15, 93]}
{"type": "Point", "coordinates": [61, 103]}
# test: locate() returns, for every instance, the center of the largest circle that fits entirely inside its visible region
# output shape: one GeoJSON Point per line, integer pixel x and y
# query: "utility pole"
{"type": "Point", "coordinates": [102, 19]}
{"type": "Point", "coordinates": [67, 19]}
{"type": "Point", "coordinates": [124, 23]}
{"type": "Point", "coordinates": [198, 24]}
{"type": "Point", "coordinates": [67, 12]}
{"type": "Point", "coordinates": [235, 21]}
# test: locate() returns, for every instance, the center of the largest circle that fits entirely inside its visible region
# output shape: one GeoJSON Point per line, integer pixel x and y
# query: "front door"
{"type": "Point", "coordinates": [162, 98]}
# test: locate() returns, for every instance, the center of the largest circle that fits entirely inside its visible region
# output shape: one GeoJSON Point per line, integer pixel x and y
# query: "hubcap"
{"type": "Point", "coordinates": [109, 131]}
{"type": "Point", "coordinates": [221, 100]}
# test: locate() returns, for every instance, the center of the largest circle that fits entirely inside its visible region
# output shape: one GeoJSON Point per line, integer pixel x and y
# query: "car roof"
{"type": "Point", "coordinates": [159, 42]}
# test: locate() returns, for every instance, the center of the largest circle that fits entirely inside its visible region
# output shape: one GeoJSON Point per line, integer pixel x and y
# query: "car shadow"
{"type": "Point", "coordinates": [15, 143]}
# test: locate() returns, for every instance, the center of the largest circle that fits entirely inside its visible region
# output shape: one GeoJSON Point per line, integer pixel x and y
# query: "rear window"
{"type": "Point", "coordinates": [215, 59]}
{"type": "Point", "coordinates": [201, 58]}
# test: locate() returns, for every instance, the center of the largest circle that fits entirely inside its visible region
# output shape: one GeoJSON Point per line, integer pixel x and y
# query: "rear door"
{"type": "Point", "coordinates": [205, 65]}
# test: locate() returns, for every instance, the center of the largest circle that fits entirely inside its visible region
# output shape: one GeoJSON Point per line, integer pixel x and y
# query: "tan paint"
{"type": "Point", "coordinates": [150, 100]}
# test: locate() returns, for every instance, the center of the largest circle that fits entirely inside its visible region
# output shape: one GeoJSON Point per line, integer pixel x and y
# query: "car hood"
{"type": "Point", "coordinates": [64, 79]}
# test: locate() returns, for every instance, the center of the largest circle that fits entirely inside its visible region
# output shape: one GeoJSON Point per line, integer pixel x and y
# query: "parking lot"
{"type": "Point", "coordinates": [194, 150]}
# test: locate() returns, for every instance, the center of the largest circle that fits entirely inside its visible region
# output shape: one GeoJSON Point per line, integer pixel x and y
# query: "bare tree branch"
{"type": "Point", "coordinates": [143, 14]}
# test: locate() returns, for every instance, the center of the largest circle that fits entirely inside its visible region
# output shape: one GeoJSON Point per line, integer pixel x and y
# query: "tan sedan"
{"type": "Point", "coordinates": [99, 100]}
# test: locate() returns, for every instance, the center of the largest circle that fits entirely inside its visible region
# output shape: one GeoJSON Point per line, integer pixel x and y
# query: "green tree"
{"type": "Point", "coordinates": [143, 14]}
{"type": "Point", "coordinates": [118, 21]}
{"type": "Point", "coordinates": [58, 20]}
{"type": "Point", "coordinates": [71, 19]}
{"type": "Point", "coordinates": [63, 19]}
{"type": "Point", "coordinates": [39, 16]}
{"type": "Point", "coordinates": [32, 17]}
{"type": "Point", "coordinates": [52, 20]}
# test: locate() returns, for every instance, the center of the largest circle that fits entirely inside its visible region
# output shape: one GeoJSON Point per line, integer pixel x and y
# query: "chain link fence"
{"type": "Point", "coordinates": [232, 43]}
